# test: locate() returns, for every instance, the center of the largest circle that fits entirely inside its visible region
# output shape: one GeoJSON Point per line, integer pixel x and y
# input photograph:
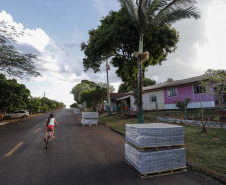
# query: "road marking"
{"type": "Point", "coordinates": [37, 130]}
{"type": "Point", "coordinates": [14, 149]}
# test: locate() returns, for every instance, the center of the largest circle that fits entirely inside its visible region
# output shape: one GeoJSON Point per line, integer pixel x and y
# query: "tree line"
{"type": "Point", "coordinates": [15, 96]}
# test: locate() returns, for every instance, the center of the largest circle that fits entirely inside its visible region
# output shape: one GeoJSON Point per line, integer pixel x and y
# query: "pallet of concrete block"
{"type": "Point", "coordinates": [90, 115]}
{"type": "Point", "coordinates": [89, 118]}
{"type": "Point", "coordinates": [155, 163]}
{"type": "Point", "coordinates": [154, 135]}
{"type": "Point", "coordinates": [77, 111]}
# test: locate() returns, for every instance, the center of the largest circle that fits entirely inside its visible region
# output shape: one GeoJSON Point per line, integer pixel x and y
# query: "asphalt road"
{"type": "Point", "coordinates": [90, 155]}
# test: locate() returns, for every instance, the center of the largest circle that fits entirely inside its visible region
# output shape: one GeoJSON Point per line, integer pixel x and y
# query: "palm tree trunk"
{"type": "Point", "coordinates": [140, 81]}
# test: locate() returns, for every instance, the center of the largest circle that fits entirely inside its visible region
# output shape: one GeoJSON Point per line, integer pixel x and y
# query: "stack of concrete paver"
{"type": "Point", "coordinates": [77, 111]}
{"type": "Point", "coordinates": [89, 118]}
{"type": "Point", "coordinates": [155, 134]}
{"type": "Point", "coordinates": [153, 161]}
{"type": "Point", "coordinates": [151, 136]}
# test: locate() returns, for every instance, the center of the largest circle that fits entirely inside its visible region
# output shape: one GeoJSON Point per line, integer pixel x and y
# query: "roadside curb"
{"type": "Point", "coordinates": [3, 123]}
{"type": "Point", "coordinates": [105, 124]}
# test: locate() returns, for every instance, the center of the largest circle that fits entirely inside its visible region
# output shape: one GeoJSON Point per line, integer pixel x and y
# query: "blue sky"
{"type": "Point", "coordinates": [56, 29]}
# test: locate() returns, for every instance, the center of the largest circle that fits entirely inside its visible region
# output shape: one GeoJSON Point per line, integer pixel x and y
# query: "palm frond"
{"type": "Point", "coordinates": [132, 10]}
{"type": "Point", "coordinates": [154, 6]}
{"type": "Point", "coordinates": [177, 10]}
{"type": "Point", "coordinates": [171, 17]}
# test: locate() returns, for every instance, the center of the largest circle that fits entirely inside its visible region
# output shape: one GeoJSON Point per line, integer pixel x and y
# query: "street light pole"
{"type": "Point", "coordinates": [108, 91]}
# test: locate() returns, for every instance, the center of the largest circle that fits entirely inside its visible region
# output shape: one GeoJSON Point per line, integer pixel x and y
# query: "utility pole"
{"type": "Point", "coordinates": [108, 91]}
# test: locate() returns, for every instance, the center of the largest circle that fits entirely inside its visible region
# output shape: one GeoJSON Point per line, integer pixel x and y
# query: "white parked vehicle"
{"type": "Point", "coordinates": [17, 114]}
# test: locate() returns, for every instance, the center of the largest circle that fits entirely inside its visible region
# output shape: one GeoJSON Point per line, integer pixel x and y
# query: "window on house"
{"type": "Point", "coordinates": [172, 92]}
{"type": "Point", "coordinates": [198, 89]}
{"type": "Point", "coordinates": [153, 98]}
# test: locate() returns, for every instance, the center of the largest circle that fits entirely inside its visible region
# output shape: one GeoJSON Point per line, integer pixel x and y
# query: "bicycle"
{"type": "Point", "coordinates": [49, 137]}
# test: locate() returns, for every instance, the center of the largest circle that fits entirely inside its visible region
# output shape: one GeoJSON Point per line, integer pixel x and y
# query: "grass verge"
{"type": "Point", "coordinates": [204, 152]}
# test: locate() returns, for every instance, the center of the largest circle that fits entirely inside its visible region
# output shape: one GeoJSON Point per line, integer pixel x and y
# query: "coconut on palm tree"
{"type": "Point", "coordinates": [147, 13]}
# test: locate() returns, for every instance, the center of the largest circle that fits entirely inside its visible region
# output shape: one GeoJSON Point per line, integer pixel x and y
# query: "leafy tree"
{"type": "Point", "coordinates": [148, 14]}
{"type": "Point", "coordinates": [124, 88]}
{"type": "Point", "coordinates": [60, 104]}
{"type": "Point", "coordinates": [91, 83]}
{"type": "Point", "coordinates": [94, 97]}
{"type": "Point", "coordinates": [169, 80]}
{"type": "Point", "coordinates": [148, 82]}
{"type": "Point", "coordinates": [13, 62]}
{"type": "Point", "coordinates": [118, 27]}
{"type": "Point", "coordinates": [13, 95]}
{"type": "Point", "coordinates": [34, 105]}
{"type": "Point", "coordinates": [54, 106]}
{"type": "Point", "coordinates": [105, 85]}
{"type": "Point", "coordinates": [45, 108]}
{"type": "Point", "coordinates": [214, 83]}
{"type": "Point", "coordinates": [74, 105]}
{"type": "Point", "coordinates": [48, 104]}
{"type": "Point", "coordinates": [77, 91]}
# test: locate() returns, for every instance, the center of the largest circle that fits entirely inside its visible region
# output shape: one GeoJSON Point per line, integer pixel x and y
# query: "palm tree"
{"type": "Point", "coordinates": [147, 13]}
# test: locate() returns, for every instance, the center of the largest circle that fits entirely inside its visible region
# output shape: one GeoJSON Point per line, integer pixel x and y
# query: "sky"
{"type": "Point", "coordinates": [54, 30]}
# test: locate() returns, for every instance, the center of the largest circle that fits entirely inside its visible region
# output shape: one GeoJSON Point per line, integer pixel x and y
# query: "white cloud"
{"type": "Point", "coordinates": [212, 54]}
{"type": "Point", "coordinates": [36, 38]}
{"type": "Point", "coordinates": [5, 17]}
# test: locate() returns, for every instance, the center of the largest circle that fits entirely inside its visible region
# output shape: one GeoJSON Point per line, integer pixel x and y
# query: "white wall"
{"type": "Point", "coordinates": [192, 105]}
{"type": "Point", "coordinates": [147, 105]}
{"type": "Point", "coordinates": [132, 100]}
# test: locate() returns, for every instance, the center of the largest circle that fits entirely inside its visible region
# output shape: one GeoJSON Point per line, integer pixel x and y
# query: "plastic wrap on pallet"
{"type": "Point", "coordinates": [89, 121]}
{"type": "Point", "coordinates": [77, 111]}
{"type": "Point", "coordinates": [93, 115]}
{"type": "Point", "coordinates": [154, 134]}
{"type": "Point", "coordinates": [155, 161]}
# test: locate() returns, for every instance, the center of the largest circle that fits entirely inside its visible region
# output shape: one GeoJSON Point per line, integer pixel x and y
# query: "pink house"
{"type": "Point", "coordinates": [164, 95]}
{"type": "Point", "coordinates": [187, 88]}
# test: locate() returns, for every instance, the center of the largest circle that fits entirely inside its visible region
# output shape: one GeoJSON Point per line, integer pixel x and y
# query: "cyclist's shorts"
{"type": "Point", "coordinates": [50, 127]}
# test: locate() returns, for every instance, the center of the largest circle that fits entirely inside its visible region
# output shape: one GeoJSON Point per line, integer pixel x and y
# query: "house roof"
{"type": "Point", "coordinates": [123, 98]}
{"type": "Point", "coordinates": [174, 83]}
{"type": "Point", "coordinates": [116, 95]}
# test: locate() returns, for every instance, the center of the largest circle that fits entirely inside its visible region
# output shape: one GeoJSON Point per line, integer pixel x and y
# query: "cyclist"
{"type": "Point", "coordinates": [50, 125]}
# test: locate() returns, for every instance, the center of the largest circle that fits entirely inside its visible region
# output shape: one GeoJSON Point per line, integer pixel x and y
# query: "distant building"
{"type": "Point", "coordinates": [113, 98]}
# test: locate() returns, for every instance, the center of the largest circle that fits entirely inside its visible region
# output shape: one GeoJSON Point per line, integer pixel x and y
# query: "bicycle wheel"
{"type": "Point", "coordinates": [47, 143]}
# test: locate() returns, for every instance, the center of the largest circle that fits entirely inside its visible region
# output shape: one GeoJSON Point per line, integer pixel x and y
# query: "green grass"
{"type": "Point", "coordinates": [118, 123]}
{"type": "Point", "coordinates": [205, 152]}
